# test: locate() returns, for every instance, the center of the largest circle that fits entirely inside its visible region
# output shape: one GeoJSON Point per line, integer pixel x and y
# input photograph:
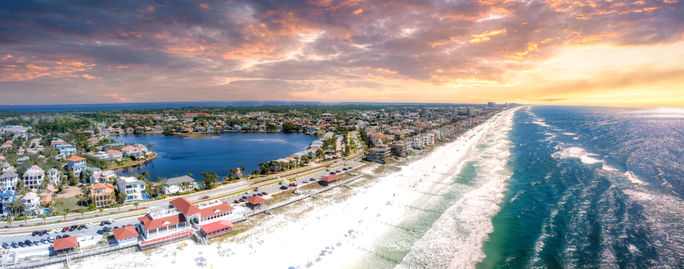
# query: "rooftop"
{"type": "Point", "coordinates": [125, 233]}
{"type": "Point", "coordinates": [65, 243]}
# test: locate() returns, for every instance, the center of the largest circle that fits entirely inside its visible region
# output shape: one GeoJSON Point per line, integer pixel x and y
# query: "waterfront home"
{"type": "Point", "coordinates": [325, 181]}
{"type": "Point", "coordinates": [114, 155]}
{"type": "Point", "coordinates": [216, 228]}
{"type": "Point", "coordinates": [6, 198]}
{"type": "Point", "coordinates": [33, 177]}
{"type": "Point", "coordinates": [177, 184]}
{"type": "Point", "coordinates": [76, 164]}
{"type": "Point", "coordinates": [132, 187]}
{"type": "Point", "coordinates": [9, 180]}
{"type": "Point", "coordinates": [102, 195]}
{"type": "Point", "coordinates": [132, 151]}
{"type": "Point", "coordinates": [102, 176]}
{"type": "Point", "coordinates": [65, 245]}
{"type": "Point", "coordinates": [125, 235]}
{"type": "Point", "coordinates": [162, 227]}
{"type": "Point", "coordinates": [31, 202]}
{"type": "Point", "coordinates": [379, 139]}
{"type": "Point", "coordinates": [54, 176]}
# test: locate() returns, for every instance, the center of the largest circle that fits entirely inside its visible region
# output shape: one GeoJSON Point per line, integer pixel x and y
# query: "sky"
{"type": "Point", "coordinates": [556, 52]}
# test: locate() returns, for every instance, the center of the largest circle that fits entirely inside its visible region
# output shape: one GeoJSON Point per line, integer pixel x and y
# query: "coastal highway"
{"type": "Point", "coordinates": [228, 192]}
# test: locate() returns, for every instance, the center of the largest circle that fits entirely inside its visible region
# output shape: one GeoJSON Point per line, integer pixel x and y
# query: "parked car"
{"type": "Point", "coordinates": [58, 236]}
{"type": "Point", "coordinates": [241, 200]}
{"type": "Point", "coordinates": [204, 197]}
{"type": "Point", "coordinates": [28, 242]}
{"type": "Point", "coordinates": [264, 193]}
{"type": "Point", "coordinates": [34, 233]}
{"type": "Point", "coordinates": [65, 229]}
{"type": "Point", "coordinates": [14, 244]}
{"type": "Point", "coordinates": [5, 245]}
{"type": "Point", "coordinates": [22, 244]}
{"type": "Point", "coordinates": [43, 240]}
{"type": "Point", "coordinates": [236, 201]}
{"type": "Point", "coordinates": [283, 187]}
{"type": "Point", "coordinates": [312, 180]}
{"type": "Point", "coordinates": [66, 235]}
{"type": "Point", "coordinates": [72, 228]}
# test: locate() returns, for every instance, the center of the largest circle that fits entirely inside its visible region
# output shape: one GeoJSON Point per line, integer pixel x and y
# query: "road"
{"type": "Point", "coordinates": [228, 192]}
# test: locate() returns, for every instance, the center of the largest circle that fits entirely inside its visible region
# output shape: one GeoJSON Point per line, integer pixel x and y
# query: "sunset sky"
{"type": "Point", "coordinates": [606, 53]}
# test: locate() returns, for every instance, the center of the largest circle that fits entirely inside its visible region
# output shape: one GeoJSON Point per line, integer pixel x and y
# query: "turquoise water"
{"type": "Point", "coordinates": [218, 153]}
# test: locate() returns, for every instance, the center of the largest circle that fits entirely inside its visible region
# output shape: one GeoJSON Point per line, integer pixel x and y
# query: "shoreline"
{"type": "Point", "coordinates": [136, 163]}
{"type": "Point", "coordinates": [338, 198]}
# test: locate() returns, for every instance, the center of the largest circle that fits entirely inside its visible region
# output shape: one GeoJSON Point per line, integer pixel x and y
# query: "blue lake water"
{"type": "Point", "coordinates": [218, 153]}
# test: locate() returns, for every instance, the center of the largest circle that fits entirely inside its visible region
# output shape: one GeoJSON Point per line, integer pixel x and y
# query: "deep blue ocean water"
{"type": "Point", "coordinates": [217, 153]}
{"type": "Point", "coordinates": [592, 187]}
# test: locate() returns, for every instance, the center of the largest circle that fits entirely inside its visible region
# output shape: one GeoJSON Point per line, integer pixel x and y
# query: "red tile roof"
{"type": "Point", "coordinates": [217, 209]}
{"type": "Point", "coordinates": [64, 243]}
{"type": "Point", "coordinates": [331, 178]}
{"type": "Point", "coordinates": [125, 233]}
{"type": "Point", "coordinates": [148, 223]}
{"type": "Point", "coordinates": [75, 158]}
{"type": "Point", "coordinates": [185, 206]}
{"type": "Point", "coordinates": [255, 200]}
{"type": "Point", "coordinates": [216, 225]}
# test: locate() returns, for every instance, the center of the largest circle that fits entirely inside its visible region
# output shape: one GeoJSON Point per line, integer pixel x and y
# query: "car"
{"type": "Point", "coordinates": [28, 242]}
{"type": "Point", "coordinates": [256, 189]}
{"type": "Point", "coordinates": [15, 245]}
{"type": "Point", "coordinates": [204, 197]}
{"type": "Point", "coordinates": [111, 221]}
{"type": "Point", "coordinates": [236, 201]}
{"type": "Point", "coordinates": [58, 236]}
{"type": "Point", "coordinates": [81, 227]}
{"type": "Point", "coordinates": [5, 245]}
{"type": "Point", "coordinates": [242, 200]}
{"type": "Point", "coordinates": [259, 194]}
{"type": "Point", "coordinates": [100, 231]}
{"type": "Point", "coordinates": [43, 240]}
{"type": "Point", "coordinates": [66, 236]}
{"type": "Point", "coordinates": [244, 197]}
{"type": "Point", "coordinates": [65, 229]}
{"type": "Point", "coordinates": [312, 180]}
{"type": "Point", "coordinates": [283, 187]}
{"type": "Point", "coordinates": [22, 244]}
{"type": "Point", "coordinates": [72, 228]}
{"type": "Point", "coordinates": [332, 173]}
{"type": "Point", "coordinates": [264, 193]}
{"type": "Point", "coordinates": [34, 233]}
{"type": "Point", "coordinates": [36, 242]}
{"type": "Point", "coordinates": [103, 223]}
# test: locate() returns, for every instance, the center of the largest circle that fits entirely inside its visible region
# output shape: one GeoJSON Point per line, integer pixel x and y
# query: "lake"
{"type": "Point", "coordinates": [216, 153]}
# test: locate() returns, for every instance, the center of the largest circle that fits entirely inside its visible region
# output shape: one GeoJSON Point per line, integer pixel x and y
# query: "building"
{"type": "Point", "coordinates": [378, 154]}
{"type": "Point", "coordinates": [54, 176]}
{"type": "Point", "coordinates": [125, 235]}
{"type": "Point", "coordinates": [102, 195]}
{"type": "Point", "coordinates": [132, 187]}
{"type": "Point", "coordinates": [163, 227]}
{"type": "Point", "coordinates": [255, 201]}
{"type": "Point", "coordinates": [31, 202]}
{"type": "Point", "coordinates": [213, 211]}
{"type": "Point", "coordinates": [216, 228]}
{"type": "Point", "coordinates": [399, 148]}
{"type": "Point", "coordinates": [9, 180]}
{"type": "Point", "coordinates": [33, 177]}
{"type": "Point", "coordinates": [76, 164]}
{"type": "Point", "coordinates": [6, 199]}
{"type": "Point", "coordinates": [114, 155]}
{"type": "Point", "coordinates": [102, 176]}
{"type": "Point", "coordinates": [325, 181]}
{"type": "Point", "coordinates": [65, 245]}
{"type": "Point", "coordinates": [178, 184]}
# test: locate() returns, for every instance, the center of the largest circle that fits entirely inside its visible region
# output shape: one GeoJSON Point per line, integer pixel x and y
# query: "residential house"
{"type": "Point", "coordinates": [132, 187]}
{"type": "Point", "coordinates": [102, 195]}
{"type": "Point", "coordinates": [67, 150]}
{"type": "Point", "coordinates": [9, 180]}
{"type": "Point", "coordinates": [102, 176]}
{"type": "Point", "coordinates": [31, 202]}
{"type": "Point", "coordinates": [55, 176]}
{"type": "Point", "coordinates": [33, 177]}
{"type": "Point", "coordinates": [114, 155]}
{"type": "Point", "coordinates": [6, 198]}
{"type": "Point", "coordinates": [178, 184]}
{"type": "Point", "coordinates": [76, 164]}
{"type": "Point", "coordinates": [133, 152]}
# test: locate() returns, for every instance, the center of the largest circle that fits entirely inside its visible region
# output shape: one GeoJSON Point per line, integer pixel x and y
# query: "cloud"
{"type": "Point", "coordinates": [153, 51]}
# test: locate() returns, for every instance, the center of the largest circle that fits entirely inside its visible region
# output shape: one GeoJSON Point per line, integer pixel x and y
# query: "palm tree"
{"type": "Point", "coordinates": [44, 218]}
{"type": "Point", "coordinates": [101, 210]}
{"type": "Point", "coordinates": [136, 205]}
{"type": "Point", "coordinates": [65, 213]}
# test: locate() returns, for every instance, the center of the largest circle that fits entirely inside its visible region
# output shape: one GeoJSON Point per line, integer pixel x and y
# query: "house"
{"type": "Point", "coordinates": [31, 202]}
{"type": "Point", "coordinates": [65, 245]}
{"type": "Point", "coordinates": [33, 177]}
{"type": "Point", "coordinates": [76, 164]}
{"type": "Point", "coordinates": [56, 142]}
{"type": "Point", "coordinates": [177, 184]}
{"type": "Point", "coordinates": [102, 176]}
{"type": "Point", "coordinates": [188, 209]}
{"type": "Point", "coordinates": [102, 195]}
{"type": "Point", "coordinates": [328, 135]}
{"type": "Point", "coordinates": [9, 180]}
{"type": "Point", "coordinates": [3, 159]}
{"type": "Point", "coordinates": [132, 187]}
{"type": "Point", "coordinates": [67, 150]}
{"type": "Point", "coordinates": [7, 144]}
{"type": "Point", "coordinates": [54, 176]}
{"type": "Point", "coordinates": [93, 141]}
{"type": "Point", "coordinates": [325, 181]}
{"type": "Point", "coordinates": [133, 152]}
{"type": "Point", "coordinates": [114, 155]}
{"type": "Point", "coordinates": [216, 228]}
{"type": "Point", "coordinates": [125, 235]}
{"type": "Point", "coordinates": [6, 198]}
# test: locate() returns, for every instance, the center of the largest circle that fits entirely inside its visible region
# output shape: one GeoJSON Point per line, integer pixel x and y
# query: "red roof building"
{"type": "Point", "coordinates": [215, 211]}
{"type": "Point", "coordinates": [330, 178]}
{"type": "Point", "coordinates": [75, 158]}
{"type": "Point", "coordinates": [185, 206]}
{"type": "Point", "coordinates": [255, 200]}
{"type": "Point", "coordinates": [216, 228]}
{"type": "Point", "coordinates": [65, 244]}
{"type": "Point", "coordinates": [169, 222]}
{"type": "Point", "coordinates": [124, 234]}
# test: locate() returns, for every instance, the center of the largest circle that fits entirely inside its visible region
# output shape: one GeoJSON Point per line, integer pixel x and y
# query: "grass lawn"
{"type": "Point", "coordinates": [69, 203]}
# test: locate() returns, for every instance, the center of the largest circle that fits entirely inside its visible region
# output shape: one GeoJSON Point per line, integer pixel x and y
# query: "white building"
{"type": "Point", "coordinates": [55, 176]}
{"type": "Point", "coordinates": [9, 180]}
{"type": "Point", "coordinates": [33, 177]}
{"type": "Point", "coordinates": [132, 187]}
{"type": "Point", "coordinates": [31, 202]}
{"type": "Point", "coordinates": [178, 184]}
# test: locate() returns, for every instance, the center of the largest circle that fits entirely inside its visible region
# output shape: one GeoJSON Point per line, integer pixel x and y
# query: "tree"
{"type": "Point", "coordinates": [120, 197]}
{"type": "Point", "coordinates": [136, 204]}
{"type": "Point", "coordinates": [209, 179]}
{"type": "Point", "coordinates": [44, 217]}
{"type": "Point", "coordinates": [82, 211]}
{"type": "Point", "coordinates": [65, 213]}
{"type": "Point", "coordinates": [101, 210]}
{"type": "Point", "coordinates": [288, 127]}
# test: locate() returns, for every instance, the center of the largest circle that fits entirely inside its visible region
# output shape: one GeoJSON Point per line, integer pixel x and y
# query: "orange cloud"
{"type": "Point", "coordinates": [486, 36]}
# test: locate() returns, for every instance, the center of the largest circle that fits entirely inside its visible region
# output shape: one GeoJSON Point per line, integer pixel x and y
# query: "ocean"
{"type": "Point", "coordinates": [540, 187]}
